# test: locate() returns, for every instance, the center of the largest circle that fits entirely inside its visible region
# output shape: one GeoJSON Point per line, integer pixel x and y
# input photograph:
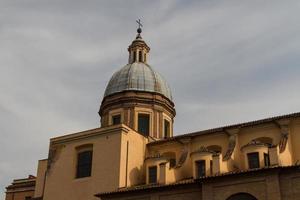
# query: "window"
{"type": "Point", "coordinates": [143, 124]}
{"type": "Point", "coordinates": [166, 128]}
{"type": "Point", "coordinates": [27, 197]}
{"type": "Point", "coordinates": [152, 174]}
{"type": "Point", "coordinates": [253, 160]}
{"type": "Point", "coordinates": [266, 159]}
{"type": "Point", "coordinates": [200, 167]}
{"type": "Point", "coordinates": [84, 164]}
{"type": "Point", "coordinates": [211, 167]}
{"type": "Point", "coordinates": [134, 56]}
{"type": "Point", "coordinates": [140, 56]}
{"type": "Point", "coordinates": [116, 119]}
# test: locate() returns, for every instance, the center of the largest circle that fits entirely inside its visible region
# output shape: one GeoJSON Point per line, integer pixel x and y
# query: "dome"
{"type": "Point", "coordinates": [138, 76]}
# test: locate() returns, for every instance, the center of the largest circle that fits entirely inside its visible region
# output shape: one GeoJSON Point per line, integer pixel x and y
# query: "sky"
{"type": "Point", "coordinates": [226, 62]}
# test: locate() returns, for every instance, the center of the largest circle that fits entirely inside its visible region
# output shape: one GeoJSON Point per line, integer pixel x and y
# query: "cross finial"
{"type": "Point", "coordinates": [139, 30]}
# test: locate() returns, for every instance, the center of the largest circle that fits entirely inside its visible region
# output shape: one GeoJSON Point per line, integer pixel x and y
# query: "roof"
{"type": "Point", "coordinates": [22, 183]}
{"type": "Point", "coordinates": [193, 181]}
{"type": "Point", "coordinates": [223, 128]}
{"type": "Point", "coordinates": [138, 76]}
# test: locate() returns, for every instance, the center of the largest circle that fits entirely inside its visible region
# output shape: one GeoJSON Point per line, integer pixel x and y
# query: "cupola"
{"type": "Point", "coordinates": [138, 96]}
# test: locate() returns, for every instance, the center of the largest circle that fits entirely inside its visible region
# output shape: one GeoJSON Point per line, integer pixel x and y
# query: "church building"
{"type": "Point", "coordinates": [134, 155]}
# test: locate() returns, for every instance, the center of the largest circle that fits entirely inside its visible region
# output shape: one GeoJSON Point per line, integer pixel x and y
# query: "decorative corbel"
{"type": "Point", "coordinates": [232, 133]}
{"type": "Point", "coordinates": [284, 130]}
{"type": "Point", "coordinates": [184, 151]}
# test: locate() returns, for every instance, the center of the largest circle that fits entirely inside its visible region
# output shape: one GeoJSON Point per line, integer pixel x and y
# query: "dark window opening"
{"type": "Point", "coordinates": [253, 160]}
{"type": "Point", "coordinates": [152, 174]}
{"type": "Point", "coordinates": [140, 56]}
{"type": "Point", "coordinates": [27, 197]}
{"type": "Point", "coordinates": [167, 128]}
{"type": "Point", "coordinates": [145, 58]}
{"type": "Point", "coordinates": [211, 167]}
{"type": "Point", "coordinates": [266, 159]}
{"type": "Point", "coordinates": [241, 196]}
{"type": "Point", "coordinates": [134, 56]}
{"type": "Point", "coordinates": [200, 166]}
{"type": "Point", "coordinates": [143, 124]}
{"type": "Point", "coordinates": [84, 164]}
{"type": "Point", "coordinates": [116, 119]}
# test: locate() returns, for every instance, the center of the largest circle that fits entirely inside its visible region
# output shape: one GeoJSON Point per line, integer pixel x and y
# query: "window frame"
{"type": "Point", "coordinates": [197, 164]}
{"type": "Point", "coordinates": [79, 151]}
{"type": "Point", "coordinates": [140, 55]}
{"type": "Point", "coordinates": [149, 123]}
{"type": "Point", "coordinates": [168, 133]}
{"type": "Point", "coordinates": [150, 181]}
{"type": "Point", "coordinates": [250, 162]}
{"type": "Point", "coordinates": [113, 117]}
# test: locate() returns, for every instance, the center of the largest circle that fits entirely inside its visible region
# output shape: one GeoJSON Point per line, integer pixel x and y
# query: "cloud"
{"type": "Point", "coordinates": [226, 62]}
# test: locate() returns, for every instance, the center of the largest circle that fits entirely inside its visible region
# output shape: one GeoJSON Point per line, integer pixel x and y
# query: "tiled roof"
{"type": "Point", "coordinates": [221, 129]}
{"type": "Point", "coordinates": [193, 181]}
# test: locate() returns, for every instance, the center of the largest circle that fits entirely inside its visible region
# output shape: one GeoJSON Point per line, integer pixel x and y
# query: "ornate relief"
{"type": "Point", "coordinates": [231, 146]}
{"type": "Point", "coordinates": [256, 143]}
{"type": "Point", "coordinates": [183, 156]}
{"type": "Point", "coordinates": [203, 149]}
{"type": "Point", "coordinates": [284, 129]}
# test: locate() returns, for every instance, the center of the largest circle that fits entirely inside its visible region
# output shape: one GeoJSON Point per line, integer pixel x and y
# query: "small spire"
{"type": "Point", "coordinates": [138, 50]}
{"type": "Point", "coordinates": [139, 30]}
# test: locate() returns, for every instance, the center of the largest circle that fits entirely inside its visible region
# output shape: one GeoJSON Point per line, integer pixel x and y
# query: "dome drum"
{"type": "Point", "coordinates": [138, 96]}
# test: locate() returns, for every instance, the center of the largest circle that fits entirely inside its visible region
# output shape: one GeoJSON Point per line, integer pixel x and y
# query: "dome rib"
{"type": "Point", "coordinates": [138, 76]}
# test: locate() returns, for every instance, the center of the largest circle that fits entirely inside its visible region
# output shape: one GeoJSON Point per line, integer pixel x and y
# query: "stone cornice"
{"type": "Point", "coordinates": [136, 97]}
{"type": "Point", "coordinates": [89, 133]}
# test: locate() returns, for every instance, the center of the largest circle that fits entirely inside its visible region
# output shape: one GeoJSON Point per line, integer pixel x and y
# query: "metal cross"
{"type": "Point", "coordinates": [139, 23]}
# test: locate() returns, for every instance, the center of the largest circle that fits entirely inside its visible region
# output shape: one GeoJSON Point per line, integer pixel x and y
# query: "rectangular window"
{"type": "Point", "coordinates": [140, 56]}
{"type": "Point", "coordinates": [200, 167]}
{"type": "Point", "coordinates": [27, 198]}
{"type": "Point", "coordinates": [167, 128]}
{"type": "Point", "coordinates": [143, 124]}
{"type": "Point", "coordinates": [211, 167]}
{"type": "Point", "coordinates": [253, 160]}
{"type": "Point", "coordinates": [116, 119]}
{"type": "Point", "coordinates": [84, 164]}
{"type": "Point", "coordinates": [134, 56]}
{"type": "Point", "coordinates": [152, 174]}
{"type": "Point", "coordinates": [266, 159]}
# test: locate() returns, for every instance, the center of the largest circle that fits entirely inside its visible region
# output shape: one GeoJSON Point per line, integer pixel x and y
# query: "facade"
{"type": "Point", "coordinates": [134, 155]}
{"type": "Point", "coordinates": [21, 189]}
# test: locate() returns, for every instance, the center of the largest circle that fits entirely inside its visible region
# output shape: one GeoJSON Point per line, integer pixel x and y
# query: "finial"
{"type": "Point", "coordinates": [139, 30]}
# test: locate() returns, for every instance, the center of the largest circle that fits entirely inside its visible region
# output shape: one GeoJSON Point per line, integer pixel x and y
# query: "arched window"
{"type": "Point", "coordinates": [241, 196]}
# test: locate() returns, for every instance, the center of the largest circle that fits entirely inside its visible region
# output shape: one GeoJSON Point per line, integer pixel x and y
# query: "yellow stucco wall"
{"type": "Point", "coordinates": [19, 195]}
{"type": "Point", "coordinates": [61, 183]}
{"type": "Point", "coordinates": [40, 178]}
{"type": "Point", "coordinates": [133, 147]}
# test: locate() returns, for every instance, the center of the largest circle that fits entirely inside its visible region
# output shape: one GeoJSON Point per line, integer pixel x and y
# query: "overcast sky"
{"type": "Point", "coordinates": [226, 62]}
